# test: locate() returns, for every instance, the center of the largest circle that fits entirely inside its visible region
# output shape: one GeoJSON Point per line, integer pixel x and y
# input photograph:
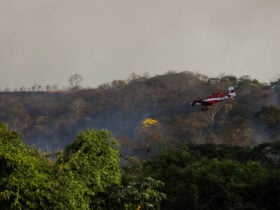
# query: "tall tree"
{"type": "Point", "coordinates": [29, 180]}
{"type": "Point", "coordinates": [93, 159]}
{"type": "Point", "coordinates": [269, 115]}
{"type": "Point", "coordinates": [75, 80]}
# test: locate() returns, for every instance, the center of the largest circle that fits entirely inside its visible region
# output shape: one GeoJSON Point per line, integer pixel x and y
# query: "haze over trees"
{"type": "Point", "coordinates": [138, 144]}
{"type": "Point", "coordinates": [51, 119]}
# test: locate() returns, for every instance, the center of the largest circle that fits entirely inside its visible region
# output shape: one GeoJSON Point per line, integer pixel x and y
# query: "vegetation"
{"type": "Point", "coordinates": [85, 176]}
{"type": "Point", "coordinates": [143, 111]}
{"type": "Point", "coordinates": [218, 177]}
{"type": "Point", "coordinates": [269, 115]}
{"type": "Point", "coordinates": [138, 144]}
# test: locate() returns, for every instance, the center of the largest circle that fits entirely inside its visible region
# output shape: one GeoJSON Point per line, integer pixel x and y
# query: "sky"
{"type": "Point", "coordinates": [44, 42]}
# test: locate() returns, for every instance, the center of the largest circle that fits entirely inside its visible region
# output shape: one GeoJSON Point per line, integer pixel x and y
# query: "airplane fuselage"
{"type": "Point", "coordinates": [210, 100]}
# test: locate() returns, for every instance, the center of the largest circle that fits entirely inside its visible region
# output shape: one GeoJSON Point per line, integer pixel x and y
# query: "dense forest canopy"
{"type": "Point", "coordinates": [87, 175]}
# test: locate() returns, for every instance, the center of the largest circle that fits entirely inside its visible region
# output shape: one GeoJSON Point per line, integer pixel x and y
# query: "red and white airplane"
{"type": "Point", "coordinates": [215, 98]}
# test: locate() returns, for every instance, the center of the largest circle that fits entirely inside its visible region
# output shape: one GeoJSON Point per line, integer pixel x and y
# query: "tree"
{"type": "Point", "coordinates": [75, 80]}
{"type": "Point", "coordinates": [86, 175]}
{"type": "Point", "coordinates": [236, 132]}
{"type": "Point", "coordinates": [215, 177]}
{"type": "Point", "coordinates": [212, 112]}
{"type": "Point", "coordinates": [93, 159]}
{"type": "Point", "coordinates": [29, 180]}
{"type": "Point", "coordinates": [77, 107]}
{"type": "Point", "coordinates": [269, 115]}
{"type": "Point", "coordinates": [143, 194]}
{"type": "Point", "coordinates": [173, 167]}
{"type": "Point", "coordinates": [222, 184]}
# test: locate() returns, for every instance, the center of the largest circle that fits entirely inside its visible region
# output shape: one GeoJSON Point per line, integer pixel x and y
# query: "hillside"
{"type": "Point", "coordinates": [159, 152]}
{"type": "Point", "coordinates": [144, 113]}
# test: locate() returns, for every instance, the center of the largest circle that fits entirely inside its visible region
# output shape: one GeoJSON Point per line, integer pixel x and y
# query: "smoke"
{"type": "Point", "coordinates": [47, 41]}
{"type": "Point", "coordinates": [260, 135]}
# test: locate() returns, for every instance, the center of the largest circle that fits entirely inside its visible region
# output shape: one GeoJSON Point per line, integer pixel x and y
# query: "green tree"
{"type": "Point", "coordinates": [214, 177]}
{"type": "Point", "coordinates": [143, 194]}
{"type": "Point", "coordinates": [86, 175]}
{"type": "Point", "coordinates": [222, 183]}
{"type": "Point", "coordinates": [173, 167]}
{"type": "Point", "coordinates": [28, 180]}
{"type": "Point", "coordinates": [93, 159]}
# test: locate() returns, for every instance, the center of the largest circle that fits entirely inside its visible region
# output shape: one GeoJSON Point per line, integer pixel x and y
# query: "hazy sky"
{"type": "Point", "coordinates": [46, 41]}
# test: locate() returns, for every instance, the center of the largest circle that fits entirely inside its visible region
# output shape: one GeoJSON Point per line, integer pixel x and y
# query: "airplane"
{"type": "Point", "coordinates": [214, 98]}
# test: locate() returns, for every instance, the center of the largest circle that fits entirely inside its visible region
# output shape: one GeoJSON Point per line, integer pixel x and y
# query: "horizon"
{"type": "Point", "coordinates": [45, 42]}
{"type": "Point", "coordinates": [56, 87]}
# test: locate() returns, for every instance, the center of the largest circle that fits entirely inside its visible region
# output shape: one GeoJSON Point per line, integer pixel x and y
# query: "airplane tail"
{"type": "Point", "coordinates": [231, 92]}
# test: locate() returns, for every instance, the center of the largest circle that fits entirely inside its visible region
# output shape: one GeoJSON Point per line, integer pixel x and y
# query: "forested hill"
{"type": "Point", "coordinates": [145, 112]}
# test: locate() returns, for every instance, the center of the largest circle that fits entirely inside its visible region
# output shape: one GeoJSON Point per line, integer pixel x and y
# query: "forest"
{"type": "Point", "coordinates": [139, 144]}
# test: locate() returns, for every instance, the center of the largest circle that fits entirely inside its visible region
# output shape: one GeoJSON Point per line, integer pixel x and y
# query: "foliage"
{"type": "Point", "coordinates": [149, 122]}
{"type": "Point", "coordinates": [217, 177]}
{"type": "Point", "coordinates": [147, 113]}
{"type": "Point", "coordinates": [143, 194]}
{"type": "Point", "coordinates": [51, 119]}
{"type": "Point", "coordinates": [86, 175]}
{"type": "Point", "coordinates": [93, 159]}
{"type": "Point", "coordinates": [30, 181]}
{"type": "Point", "coordinates": [269, 115]}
